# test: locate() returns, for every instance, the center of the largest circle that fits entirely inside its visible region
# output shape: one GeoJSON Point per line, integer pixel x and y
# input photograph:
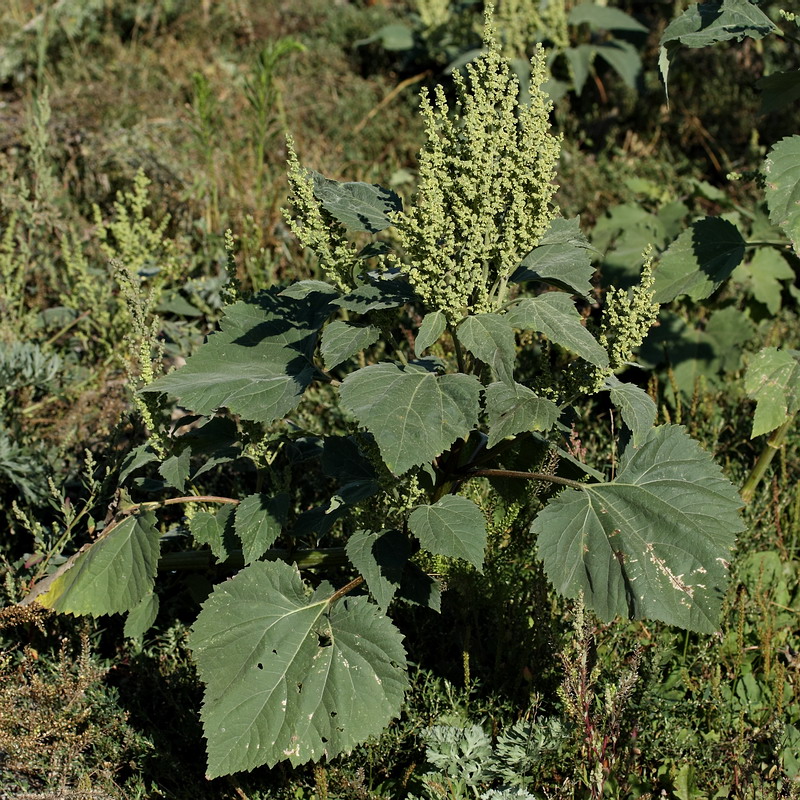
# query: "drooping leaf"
{"type": "Point", "coordinates": [340, 340]}
{"type": "Point", "coordinates": [381, 558]}
{"type": "Point", "coordinates": [773, 381]}
{"type": "Point", "coordinates": [654, 543]}
{"type": "Point", "coordinates": [358, 206]}
{"type": "Point", "coordinates": [637, 408]}
{"type": "Point", "coordinates": [380, 293]}
{"type": "Point", "coordinates": [554, 314]}
{"type": "Point", "coordinates": [413, 414]}
{"type": "Point", "coordinates": [703, 24]}
{"type": "Point", "coordinates": [286, 676]}
{"type": "Point", "coordinates": [560, 259]}
{"type": "Point", "coordinates": [729, 330]}
{"type": "Point", "coordinates": [604, 18]}
{"type": "Point", "coordinates": [258, 364]}
{"type": "Point", "coordinates": [579, 61]}
{"type": "Point", "coordinates": [454, 527]}
{"type": "Point", "coordinates": [175, 470]}
{"type": "Point", "coordinates": [430, 330]}
{"type": "Point", "coordinates": [343, 459]}
{"type": "Point", "coordinates": [624, 58]}
{"type": "Point", "coordinates": [782, 173]}
{"type": "Point", "coordinates": [764, 275]}
{"type": "Point", "coordinates": [516, 409]}
{"type": "Point", "coordinates": [141, 617]}
{"type": "Point", "coordinates": [490, 338]}
{"type": "Point", "coordinates": [419, 588]}
{"type": "Point", "coordinates": [216, 530]}
{"type": "Point", "coordinates": [108, 576]}
{"type": "Point", "coordinates": [779, 90]}
{"type": "Point", "coordinates": [259, 519]}
{"type": "Point", "coordinates": [699, 260]}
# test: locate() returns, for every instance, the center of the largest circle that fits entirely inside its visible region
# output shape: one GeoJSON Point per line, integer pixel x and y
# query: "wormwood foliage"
{"type": "Point", "coordinates": [480, 272]}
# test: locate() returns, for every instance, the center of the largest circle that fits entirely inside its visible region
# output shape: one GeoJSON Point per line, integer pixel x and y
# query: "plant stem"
{"type": "Point", "coordinates": [202, 559]}
{"type": "Point", "coordinates": [346, 589]}
{"type": "Point", "coordinates": [528, 476]}
{"type": "Point", "coordinates": [774, 443]}
{"type": "Point", "coordinates": [173, 501]}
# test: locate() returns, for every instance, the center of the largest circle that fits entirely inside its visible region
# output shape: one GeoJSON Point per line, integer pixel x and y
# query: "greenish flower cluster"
{"type": "Point", "coordinates": [522, 22]}
{"type": "Point", "coordinates": [317, 230]}
{"type": "Point", "coordinates": [485, 189]}
{"type": "Point", "coordinates": [627, 317]}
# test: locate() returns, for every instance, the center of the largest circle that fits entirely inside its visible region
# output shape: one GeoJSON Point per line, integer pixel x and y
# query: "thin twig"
{"type": "Point", "coordinates": [389, 97]}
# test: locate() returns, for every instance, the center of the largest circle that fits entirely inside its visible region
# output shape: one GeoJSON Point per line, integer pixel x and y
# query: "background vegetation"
{"type": "Point", "coordinates": [133, 135]}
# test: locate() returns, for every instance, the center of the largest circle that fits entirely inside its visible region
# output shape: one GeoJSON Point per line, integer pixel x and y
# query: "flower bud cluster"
{"type": "Point", "coordinates": [318, 230]}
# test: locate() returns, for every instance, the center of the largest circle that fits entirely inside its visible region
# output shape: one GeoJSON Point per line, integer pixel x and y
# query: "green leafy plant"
{"type": "Point", "coordinates": [482, 273]}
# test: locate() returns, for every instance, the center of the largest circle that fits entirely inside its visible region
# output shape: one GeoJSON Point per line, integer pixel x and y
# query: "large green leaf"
{"type": "Point", "coordinates": [782, 172]}
{"type": "Point", "coordinates": [773, 381]}
{"type": "Point", "coordinates": [381, 558]}
{"type": "Point", "coordinates": [358, 206]}
{"type": "Point", "coordinates": [340, 340]}
{"type": "Point", "coordinates": [703, 24]}
{"type": "Point", "coordinates": [286, 675]}
{"type": "Point", "coordinates": [554, 314]}
{"type": "Point", "coordinates": [654, 543]}
{"type": "Point", "coordinates": [561, 259]}
{"type": "Point", "coordinates": [388, 291]}
{"type": "Point", "coordinates": [453, 527]}
{"type": "Point", "coordinates": [413, 414]}
{"type": "Point", "coordinates": [259, 519]}
{"type": "Point", "coordinates": [109, 576]}
{"type": "Point", "coordinates": [260, 362]}
{"type": "Point", "coordinates": [604, 18]}
{"type": "Point", "coordinates": [490, 338]}
{"type": "Point", "coordinates": [699, 260]}
{"type": "Point", "coordinates": [516, 409]}
{"type": "Point", "coordinates": [637, 408]}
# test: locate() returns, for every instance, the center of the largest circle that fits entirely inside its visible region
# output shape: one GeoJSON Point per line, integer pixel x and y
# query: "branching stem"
{"type": "Point", "coordinates": [527, 476]}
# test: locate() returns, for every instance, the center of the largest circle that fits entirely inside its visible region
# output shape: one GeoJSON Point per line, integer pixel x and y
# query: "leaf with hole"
{"type": "Point", "coordinates": [287, 676]}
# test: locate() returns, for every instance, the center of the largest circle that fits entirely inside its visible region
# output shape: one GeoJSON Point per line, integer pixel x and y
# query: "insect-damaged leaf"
{"type": "Point", "coordinates": [654, 543]}
{"type": "Point", "coordinates": [288, 677]}
{"type": "Point", "coordinates": [109, 576]}
{"type": "Point", "coordinates": [773, 381]}
{"type": "Point", "coordinates": [258, 364]}
{"type": "Point", "coordinates": [782, 171]}
{"type": "Point", "coordinates": [413, 414]}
